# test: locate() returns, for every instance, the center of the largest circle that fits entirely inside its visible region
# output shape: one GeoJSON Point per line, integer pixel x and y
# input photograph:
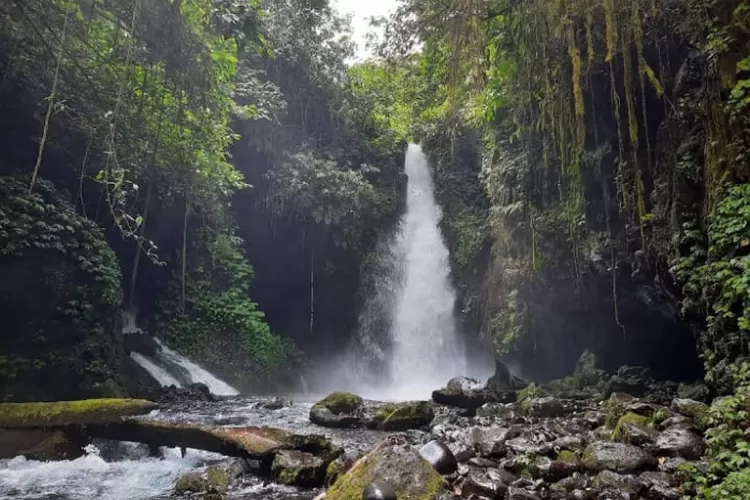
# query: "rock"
{"type": "Point", "coordinates": [611, 480]}
{"type": "Point", "coordinates": [553, 470]}
{"type": "Point", "coordinates": [494, 410]}
{"type": "Point", "coordinates": [338, 410]}
{"type": "Point", "coordinates": [546, 407]}
{"type": "Point", "coordinates": [677, 421]}
{"type": "Point", "coordinates": [399, 417]}
{"type": "Point", "coordinates": [490, 441]}
{"type": "Point", "coordinates": [634, 429]}
{"type": "Point", "coordinates": [191, 482]}
{"type": "Point", "coordinates": [515, 493]}
{"type": "Point", "coordinates": [635, 380]}
{"type": "Point", "coordinates": [141, 343]}
{"type": "Point", "coordinates": [697, 391]}
{"type": "Point", "coordinates": [462, 451]}
{"type": "Point", "coordinates": [699, 412]}
{"type": "Point", "coordinates": [485, 484]}
{"type": "Point", "coordinates": [617, 457]}
{"type": "Point", "coordinates": [297, 468]}
{"type": "Point", "coordinates": [378, 491]}
{"type": "Point", "coordinates": [397, 465]}
{"type": "Point", "coordinates": [463, 392]}
{"type": "Point", "coordinates": [192, 392]}
{"type": "Point", "coordinates": [440, 456]}
{"type": "Point", "coordinates": [274, 404]}
{"type": "Point", "coordinates": [42, 445]}
{"type": "Point", "coordinates": [68, 413]}
{"type": "Point", "coordinates": [678, 442]}
{"type": "Point", "coordinates": [503, 384]}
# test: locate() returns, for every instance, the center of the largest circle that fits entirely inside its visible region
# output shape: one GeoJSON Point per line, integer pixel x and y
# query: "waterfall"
{"type": "Point", "coordinates": [168, 367]}
{"type": "Point", "coordinates": [412, 299]}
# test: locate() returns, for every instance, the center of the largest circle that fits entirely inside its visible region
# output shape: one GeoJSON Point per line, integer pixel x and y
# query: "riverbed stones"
{"type": "Point", "coordinates": [487, 484]}
{"type": "Point", "coordinates": [546, 407]}
{"type": "Point", "coordinates": [616, 457]}
{"type": "Point", "coordinates": [440, 456]}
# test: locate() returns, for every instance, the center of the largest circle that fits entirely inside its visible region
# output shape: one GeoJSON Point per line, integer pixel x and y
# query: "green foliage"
{"type": "Point", "coordinates": [39, 231]}
{"type": "Point", "coordinates": [220, 323]}
{"type": "Point", "coordinates": [728, 451]}
{"type": "Point", "coordinates": [469, 229]}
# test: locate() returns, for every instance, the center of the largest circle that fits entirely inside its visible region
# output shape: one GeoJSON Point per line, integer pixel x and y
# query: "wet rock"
{"type": "Point", "coordinates": [548, 407]}
{"type": "Point", "coordinates": [503, 383]}
{"type": "Point", "coordinates": [671, 465]}
{"type": "Point", "coordinates": [297, 468]}
{"type": "Point", "coordinates": [338, 410]}
{"type": "Point", "coordinates": [191, 482]}
{"type": "Point", "coordinates": [617, 457]}
{"type": "Point", "coordinates": [635, 429]}
{"type": "Point", "coordinates": [464, 392]}
{"type": "Point", "coordinates": [274, 404]}
{"type": "Point", "coordinates": [440, 456]}
{"type": "Point", "coordinates": [397, 465]}
{"type": "Point", "coordinates": [494, 410]}
{"type": "Point", "coordinates": [379, 491]}
{"type": "Point", "coordinates": [612, 480]}
{"type": "Point", "coordinates": [678, 442]}
{"type": "Point", "coordinates": [192, 392]}
{"type": "Point", "coordinates": [487, 484]}
{"type": "Point", "coordinates": [526, 446]}
{"type": "Point", "coordinates": [515, 493]}
{"type": "Point", "coordinates": [696, 410]}
{"type": "Point", "coordinates": [677, 421]}
{"type": "Point", "coordinates": [553, 470]}
{"type": "Point", "coordinates": [399, 417]}
{"type": "Point", "coordinates": [635, 380]}
{"type": "Point", "coordinates": [462, 451]}
{"type": "Point", "coordinates": [490, 441]}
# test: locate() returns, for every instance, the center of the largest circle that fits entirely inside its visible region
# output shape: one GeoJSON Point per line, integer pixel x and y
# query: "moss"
{"type": "Point", "coordinates": [340, 402]}
{"type": "Point", "coordinates": [218, 479]}
{"type": "Point", "coordinates": [615, 408]}
{"type": "Point", "coordinates": [90, 411]}
{"type": "Point", "coordinates": [528, 394]}
{"type": "Point", "coordinates": [620, 433]}
{"type": "Point", "coordinates": [404, 416]}
{"type": "Point", "coordinates": [568, 457]}
{"type": "Point", "coordinates": [192, 482]}
{"type": "Point", "coordinates": [351, 485]}
{"type": "Point", "coordinates": [334, 470]}
{"type": "Point", "coordinates": [660, 416]}
{"type": "Point", "coordinates": [699, 412]}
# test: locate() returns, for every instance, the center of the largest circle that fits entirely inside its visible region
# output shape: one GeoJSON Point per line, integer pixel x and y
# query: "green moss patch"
{"type": "Point", "coordinates": [621, 433]}
{"type": "Point", "coordinates": [58, 414]}
{"type": "Point", "coordinates": [403, 416]}
{"type": "Point", "coordinates": [340, 402]}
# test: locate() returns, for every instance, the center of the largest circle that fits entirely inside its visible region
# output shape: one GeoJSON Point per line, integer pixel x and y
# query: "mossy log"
{"type": "Point", "coordinates": [70, 413]}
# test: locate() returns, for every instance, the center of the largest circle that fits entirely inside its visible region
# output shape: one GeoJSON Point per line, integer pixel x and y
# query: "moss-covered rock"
{"type": "Point", "coordinates": [634, 429]}
{"type": "Point", "coordinates": [191, 482]}
{"type": "Point", "coordinates": [568, 456]}
{"type": "Point", "coordinates": [297, 468]}
{"type": "Point", "coordinates": [699, 412]}
{"type": "Point", "coordinates": [65, 413]}
{"type": "Point", "coordinates": [529, 393]}
{"type": "Point", "coordinates": [403, 416]}
{"type": "Point", "coordinates": [615, 407]}
{"type": "Point", "coordinates": [400, 466]}
{"type": "Point", "coordinates": [338, 410]}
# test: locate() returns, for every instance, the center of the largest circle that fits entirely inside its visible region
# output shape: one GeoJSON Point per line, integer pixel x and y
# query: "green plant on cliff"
{"type": "Point", "coordinates": [47, 247]}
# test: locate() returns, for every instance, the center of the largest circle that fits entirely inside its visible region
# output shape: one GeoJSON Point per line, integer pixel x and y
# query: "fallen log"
{"type": "Point", "coordinates": [66, 413]}
{"type": "Point", "coordinates": [258, 443]}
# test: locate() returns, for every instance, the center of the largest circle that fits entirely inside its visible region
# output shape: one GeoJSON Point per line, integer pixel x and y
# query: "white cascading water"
{"type": "Point", "coordinates": [169, 367]}
{"type": "Point", "coordinates": [412, 298]}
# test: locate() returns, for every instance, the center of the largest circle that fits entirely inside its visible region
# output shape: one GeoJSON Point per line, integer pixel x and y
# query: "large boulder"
{"type": "Point", "coordinates": [339, 410]}
{"type": "Point", "coordinates": [298, 468]}
{"type": "Point", "coordinates": [397, 417]}
{"type": "Point", "coordinates": [395, 464]}
{"type": "Point", "coordinates": [141, 343]}
{"type": "Point", "coordinates": [464, 392]}
{"type": "Point", "coordinates": [680, 442]}
{"type": "Point", "coordinates": [440, 456]}
{"type": "Point", "coordinates": [503, 383]}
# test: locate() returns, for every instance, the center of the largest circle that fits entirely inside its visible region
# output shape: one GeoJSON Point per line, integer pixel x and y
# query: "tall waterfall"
{"type": "Point", "coordinates": [411, 298]}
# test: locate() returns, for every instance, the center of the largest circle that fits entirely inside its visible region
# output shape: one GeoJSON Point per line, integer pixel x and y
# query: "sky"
{"type": "Point", "coordinates": [362, 11]}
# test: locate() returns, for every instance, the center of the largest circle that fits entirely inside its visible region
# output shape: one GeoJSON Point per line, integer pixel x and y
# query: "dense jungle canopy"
{"type": "Point", "coordinates": [223, 168]}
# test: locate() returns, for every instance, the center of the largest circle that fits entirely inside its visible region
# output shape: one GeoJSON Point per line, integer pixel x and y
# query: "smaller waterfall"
{"type": "Point", "coordinates": [168, 367]}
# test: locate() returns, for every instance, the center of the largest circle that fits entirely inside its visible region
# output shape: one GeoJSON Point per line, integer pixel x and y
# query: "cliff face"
{"type": "Point", "coordinates": [614, 198]}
